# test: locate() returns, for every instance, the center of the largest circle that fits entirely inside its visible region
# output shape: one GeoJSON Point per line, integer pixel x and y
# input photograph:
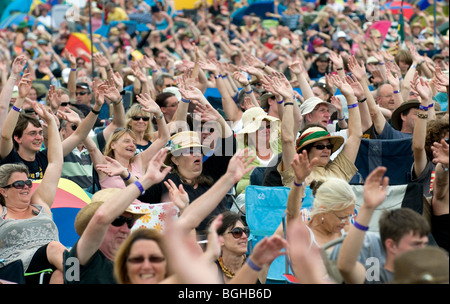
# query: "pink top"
{"type": "Point", "coordinates": [117, 181]}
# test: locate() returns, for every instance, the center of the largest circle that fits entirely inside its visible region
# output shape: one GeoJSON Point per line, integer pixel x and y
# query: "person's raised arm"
{"type": "Point", "coordinates": [150, 106]}
{"type": "Point", "coordinates": [72, 82]}
{"type": "Point", "coordinates": [359, 72]}
{"type": "Point", "coordinates": [94, 233]}
{"type": "Point", "coordinates": [353, 141]}
{"type": "Point", "coordinates": [87, 123]}
{"type": "Point", "coordinates": [420, 125]}
{"type": "Point", "coordinates": [298, 70]}
{"type": "Point", "coordinates": [242, 79]}
{"type": "Point", "coordinates": [112, 92]}
{"type": "Point", "coordinates": [375, 187]}
{"type": "Point", "coordinates": [366, 120]}
{"type": "Point", "coordinates": [44, 194]}
{"type": "Point", "coordinates": [5, 95]}
{"type": "Point", "coordinates": [6, 141]}
{"type": "Point", "coordinates": [395, 83]}
{"type": "Point", "coordinates": [440, 201]}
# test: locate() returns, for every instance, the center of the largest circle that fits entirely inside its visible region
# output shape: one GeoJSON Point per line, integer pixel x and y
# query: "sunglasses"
{"type": "Point", "coordinates": [238, 231]}
{"type": "Point", "coordinates": [120, 220]}
{"type": "Point", "coordinates": [141, 259]}
{"type": "Point", "coordinates": [137, 118]}
{"type": "Point", "coordinates": [65, 104]}
{"type": "Point", "coordinates": [20, 184]}
{"type": "Point", "coordinates": [74, 127]}
{"type": "Point", "coordinates": [322, 147]}
{"type": "Point", "coordinates": [29, 111]}
{"type": "Point", "coordinates": [81, 93]}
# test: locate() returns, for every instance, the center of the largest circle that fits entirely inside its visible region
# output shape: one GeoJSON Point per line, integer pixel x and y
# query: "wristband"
{"type": "Point", "coordinates": [253, 266]}
{"type": "Point", "coordinates": [116, 103]}
{"type": "Point", "coordinates": [224, 76]}
{"type": "Point", "coordinates": [154, 71]}
{"type": "Point", "coordinates": [218, 76]}
{"type": "Point", "coordinates": [249, 92]}
{"type": "Point", "coordinates": [444, 168]}
{"type": "Point", "coordinates": [422, 116]}
{"type": "Point", "coordinates": [352, 106]}
{"type": "Point", "coordinates": [359, 226]}
{"type": "Point", "coordinates": [185, 100]}
{"type": "Point", "coordinates": [95, 112]}
{"type": "Point", "coordinates": [16, 109]}
{"type": "Point", "coordinates": [339, 69]}
{"type": "Point", "coordinates": [123, 92]}
{"type": "Point", "coordinates": [139, 185]}
{"type": "Point", "coordinates": [281, 101]}
{"type": "Point", "coordinates": [380, 63]}
{"type": "Point", "coordinates": [362, 100]}
{"type": "Point", "coordinates": [128, 177]}
{"type": "Point", "coordinates": [414, 67]}
{"type": "Point", "coordinates": [341, 119]}
{"type": "Point", "coordinates": [289, 104]}
{"type": "Point", "coordinates": [299, 185]}
{"type": "Point", "coordinates": [396, 92]}
{"type": "Point", "coordinates": [73, 70]}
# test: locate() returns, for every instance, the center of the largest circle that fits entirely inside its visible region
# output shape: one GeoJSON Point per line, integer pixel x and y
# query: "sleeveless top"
{"type": "Point", "coordinates": [20, 239]}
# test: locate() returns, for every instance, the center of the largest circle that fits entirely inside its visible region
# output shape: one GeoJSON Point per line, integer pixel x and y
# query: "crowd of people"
{"type": "Point", "coordinates": [300, 88]}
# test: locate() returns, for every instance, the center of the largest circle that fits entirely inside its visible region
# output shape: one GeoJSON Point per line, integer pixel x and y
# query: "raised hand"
{"type": "Point", "coordinates": [356, 86]}
{"type": "Point", "coordinates": [111, 91]}
{"type": "Point", "coordinates": [357, 69]}
{"type": "Point", "coordinates": [440, 152]}
{"type": "Point", "coordinates": [25, 84]}
{"type": "Point", "coordinates": [343, 86]}
{"type": "Point", "coordinates": [302, 166]}
{"type": "Point", "coordinates": [148, 104]}
{"type": "Point", "coordinates": [19, 64]}
{"type": "Point", "coordinates": [375, 188]}
{"type": "Point", "coordinates": [241, 78]}
{"type": "Point", "coordinates": [154, 174]}
{"type": "Point", "coordinates": [101, 60]}
{"type": "Point", "coordinates": [177, 195]}
{"type": "Point", "coordinates": [239, 164]}
{"type": "Point", "coordinates": [111, 168]}
{"type": "Point", "coordinates": [191, 92]}
{"type": "Point", "coordinates": [296, 67]}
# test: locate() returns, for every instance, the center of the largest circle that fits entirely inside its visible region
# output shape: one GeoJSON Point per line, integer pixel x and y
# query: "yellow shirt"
{"type": "Point", "coordinates": [117, 15]}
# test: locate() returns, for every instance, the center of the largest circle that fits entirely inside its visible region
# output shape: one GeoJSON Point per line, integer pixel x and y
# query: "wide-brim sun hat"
{"type": "Point", "coordinates": [315, 134]}
{"type": "Point", "coordinates": [252, 118]}
{"type": "Point", "coordinates": [396, 120]}
{"type": "Point", "coordinates": [311, 103]}
{"type": "Point", "coordinates": [265, 100]}
{"type": "Point", "coordinates": [84, 216]}
{"type": "Point", "coordinates": [184, 140]}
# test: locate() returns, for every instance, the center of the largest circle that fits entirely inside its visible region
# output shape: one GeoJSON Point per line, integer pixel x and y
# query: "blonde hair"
{"type": "Point", "coordinates": [137, 110]}
{"type": "Point", "coordinates": [117, 134]}
{"type": "Point", "coordinates": [334, 194]}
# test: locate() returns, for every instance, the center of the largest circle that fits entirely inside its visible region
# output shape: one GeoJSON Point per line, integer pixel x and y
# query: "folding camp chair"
{"type": "Point", "coordinates": [265, 207]}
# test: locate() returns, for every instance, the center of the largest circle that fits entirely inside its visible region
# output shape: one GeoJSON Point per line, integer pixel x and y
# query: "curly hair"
{"type": "Point", "coordinates": [436, 130]}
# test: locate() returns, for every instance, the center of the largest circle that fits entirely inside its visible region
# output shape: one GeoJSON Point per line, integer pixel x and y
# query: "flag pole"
{"type": "Point", "coordinates": [91, 37]}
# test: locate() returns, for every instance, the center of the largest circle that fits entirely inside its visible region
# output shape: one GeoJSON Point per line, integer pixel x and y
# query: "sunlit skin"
{"type": "Point", "coordinates": [322, 155]}
{"type": "Point", "coordinates": [146, 272]}
{"type": "Point", "coordinates": [320, 114]}
{"type": "Point", "coordinates": [114, 238]}
{"type": "Point", "coordinates": [31, 139]}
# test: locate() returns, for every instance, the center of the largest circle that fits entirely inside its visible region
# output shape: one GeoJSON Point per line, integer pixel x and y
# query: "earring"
{"type": "Point", "coordinates": [322, 220]}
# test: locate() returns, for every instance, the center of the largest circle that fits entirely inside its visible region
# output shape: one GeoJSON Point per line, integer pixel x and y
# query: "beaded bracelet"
{"type": "Point", "coordinates": [139, 185]}
{"type": "Point", "coordinates": [359, 226]}
{"type": "Point", "coordinates": [352, 106]}
{"type": "Point", "coordinates": [16, 109]}
{"type": "Point", "coordinates": [253, 266]}
{"type": "Point", "coordinates": [422, 116]}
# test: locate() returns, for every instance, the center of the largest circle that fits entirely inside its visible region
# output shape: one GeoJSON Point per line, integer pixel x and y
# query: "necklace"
{"type": "Point", "coordinates": [228, 273]}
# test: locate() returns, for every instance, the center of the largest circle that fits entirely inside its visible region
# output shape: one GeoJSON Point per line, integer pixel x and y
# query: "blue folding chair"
{"type": "Point", "coordinates": [264, 210]}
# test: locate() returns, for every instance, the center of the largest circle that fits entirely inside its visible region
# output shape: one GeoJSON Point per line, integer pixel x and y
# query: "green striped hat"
{"type": "Point", "coordinates": [314, 134]}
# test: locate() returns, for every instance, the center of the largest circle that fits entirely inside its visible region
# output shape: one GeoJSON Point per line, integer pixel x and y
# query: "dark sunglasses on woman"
{"type": "Point", "coordinates": [237, 232]}
{"type": "Point", "coordinates": [141, 259]}
{"type": "Point", "coordinates": [322, 147]}
{"type": "Point", "coordinates": [120, 220]}
{"type": "Point", "coordinates": [137, 118]}
{"type": "Point", "coordinates": [20, 184]}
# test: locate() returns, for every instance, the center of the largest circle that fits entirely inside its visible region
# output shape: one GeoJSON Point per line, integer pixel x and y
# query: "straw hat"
{"type": "Point", "coordinates": [252, 118]}
{"type": "Point", "coordinates": [83, 217]}
{"type": "Point", "coordinates": [311, 103]}
{"type": "Point", "coordinates": [184, 140]}
{"type": "Point", "coordinates": [314, 134]}
{"type": "Point", "coordinates": [396, 119]}
{"type": "Point", "coordinates": [427, 265]}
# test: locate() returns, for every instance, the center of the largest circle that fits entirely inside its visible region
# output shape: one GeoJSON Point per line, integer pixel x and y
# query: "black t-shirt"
{"type": "Point", "coordinates": [36, 168]}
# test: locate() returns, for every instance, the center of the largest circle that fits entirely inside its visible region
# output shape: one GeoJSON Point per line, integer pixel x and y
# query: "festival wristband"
{"type": "Point", "coordinates": [139, 185]}
{"type": "Point", "coordinates": [253, 266]}
{"type": "Point", "coordinates": [359, 226]}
